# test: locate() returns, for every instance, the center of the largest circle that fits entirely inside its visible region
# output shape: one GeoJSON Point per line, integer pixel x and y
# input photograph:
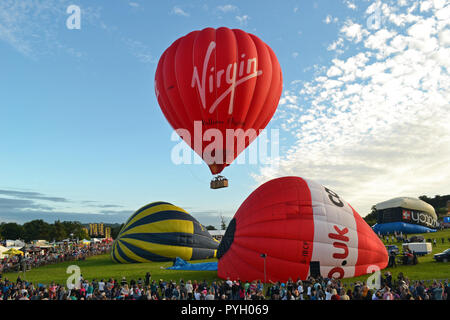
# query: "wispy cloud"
{"type": "Point", "coordinates": [7, 204]}
{"type": "Point", "coordinates": [31, 195]}
{"type": "Point", "coordinates": [329, 19]}
{"type": "Point", "coordinates": [33, 28]}
{"type": "Point", "coordinates": [243, 20]}
{"type": "Point", "coordinates": [350, 4]}
{"type": "Point", "coordinates": [227, 8]}
{"type": "Point", "coordinates": [374, 125]}
{"type": "Point", "coordinates": [23, 206]}
{"type": "Point", "coordinates": [179, 12]}
{"type": "Point", "coordinates": [138, 49]}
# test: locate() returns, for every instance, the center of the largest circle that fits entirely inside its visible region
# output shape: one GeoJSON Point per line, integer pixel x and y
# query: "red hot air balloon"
{"type": "Point", "coordinates": [289, 222]}
{"type": "Point", "coordinates": [215, 82]}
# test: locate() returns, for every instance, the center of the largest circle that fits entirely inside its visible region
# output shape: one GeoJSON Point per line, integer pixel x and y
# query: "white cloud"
{"type": "Point", "coordinates": [350, 4]}
{"type": "Point", "coordinates": [329, 19]}
{"type": "Point", "coordinates": [444, 37]}
{"type": "Point", "coordinates": [134, 4]}
{"type": "Point", "coordinates": [243, 20]}
{"type": "Point", "coordinates": [139, 50]}
{"type": "Point", "coordinates": [227, 8]}
{"type": "Point", "coordinates": [336, 44]}
{"type": "Point", "coordinates": [179, 12]}
{"type": "Point", "coordinates": [32, 27]}
{"type": "Point", "coordinates": [374, 125]}
{"type": "Point", "coordinates": [334, 71]}
{"type": "Point", "coordinates": [425, 6]}
{"type": "Point", "coordinates": [353, 31]}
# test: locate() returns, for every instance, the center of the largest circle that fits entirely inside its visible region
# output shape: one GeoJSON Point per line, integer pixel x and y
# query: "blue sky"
{"type": "Point", "coordinates": [366, 93]}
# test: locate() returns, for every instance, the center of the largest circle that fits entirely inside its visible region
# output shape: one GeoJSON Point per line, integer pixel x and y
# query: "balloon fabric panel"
{"type": "Point", "coordinates": [161, 232]}
{"type": "Point", "coordinates": [224, 79]}
{"type": "Point", "coordinates": [294, 221]}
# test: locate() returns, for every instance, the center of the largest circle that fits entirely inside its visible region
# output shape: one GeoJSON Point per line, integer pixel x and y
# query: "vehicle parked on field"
{"type": "Point", "coordinates": [443, 256]}
{"type": "Point", "coordinates": [392, 248]}
{"type": "Point", "coordinates": [419, 248]}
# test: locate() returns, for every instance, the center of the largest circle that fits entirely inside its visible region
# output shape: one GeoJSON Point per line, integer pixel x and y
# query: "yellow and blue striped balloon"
{"type": "Point", "coordinates": [161, 231]}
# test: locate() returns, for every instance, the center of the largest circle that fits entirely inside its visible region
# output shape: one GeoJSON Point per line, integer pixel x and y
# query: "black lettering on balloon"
{"type": "Point", "coordinates": [334, 198]}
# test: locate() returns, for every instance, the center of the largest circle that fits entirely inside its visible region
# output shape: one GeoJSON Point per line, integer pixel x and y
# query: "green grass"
{"type": "Point", "coordinates": [427, 268]}
{"type": "Point", "coordinates": [102, 267]}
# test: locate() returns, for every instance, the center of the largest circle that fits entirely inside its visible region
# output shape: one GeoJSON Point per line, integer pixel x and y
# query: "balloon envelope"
{"type": "Point", "coordinates": [293, 222]}
{"type": "Point", "coordinates": [161, 231]}
{"type": "Point", "coordinates": [216, 80]}
{"type": "Point", "coordinates": [406, 215]}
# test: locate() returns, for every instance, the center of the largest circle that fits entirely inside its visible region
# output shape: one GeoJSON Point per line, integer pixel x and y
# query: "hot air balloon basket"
{"type": "Point", "coordinates": [219, 182]}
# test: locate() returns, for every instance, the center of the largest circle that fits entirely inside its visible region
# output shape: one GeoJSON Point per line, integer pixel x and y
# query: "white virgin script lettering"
{"type": "Point", "coordinates": [232, 77]}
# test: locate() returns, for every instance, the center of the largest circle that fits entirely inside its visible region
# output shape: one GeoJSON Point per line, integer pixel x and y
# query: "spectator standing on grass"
{"type": "Point", "coordinates": [283, 291]}
{"type": "Point", "coordinates": [388, 294]}
{"type": "Point", "coordinates": [189, 290]}
{"type": "Point", "coordinates": [176, 293]}
{"type": "Point", "coordinates": [82, 291]}
{"type": "Point", "coordinates": [334, 295]}
{"type": "Point", "coordinates": [101, 285]}
{"type": "Point", "coordinates": [392, 262]}
{"type": "Point", "coordinates": [328, 293]}
{"type": "Point", "coordinates": [388, 279]}
{"type": "Point", "coordinates": [309, 289]}
{"type": "Point", "coordinates": [89, 290]}
{"type": "Point", "coordinates": [300, 289]}
{"type": "Point", "coordinates": [148, 277]}
{"type": "Point", "coordinates": [437, 291]}
{"type": "Point", "coordinates": [446, 290]}
{"type": "Point", "coordinates": [210, 295]}
{"type": "Point", "coordinates": [197, 294]}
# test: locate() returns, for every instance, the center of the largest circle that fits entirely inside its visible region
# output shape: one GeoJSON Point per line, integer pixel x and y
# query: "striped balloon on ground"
{"type": "Point", "coordinates": [161, 231]}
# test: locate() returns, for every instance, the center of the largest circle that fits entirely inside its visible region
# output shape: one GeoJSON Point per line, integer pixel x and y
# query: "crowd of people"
{"type": "Point", "coordinates": [146, 288]}
{"type": "Point", "coordinates": [396, 238]}
{"type": "Point", "coordinates": [33, 258]}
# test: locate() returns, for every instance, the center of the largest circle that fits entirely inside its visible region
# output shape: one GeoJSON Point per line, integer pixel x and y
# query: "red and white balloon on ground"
{"type": "Point", "coordinates": [295, 221]}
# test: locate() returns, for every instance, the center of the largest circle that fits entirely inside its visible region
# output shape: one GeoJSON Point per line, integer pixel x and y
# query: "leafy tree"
{"type": "Point", "coordinates": [115, 230]}
{"type": "Point", "coordinates": [371, 218]}
{"type": "Point", "coordinates": [12, 231]}
{"type": "Point", "coordinates": [439, 203]}
{"type": "Point", "coordinates": [58, 232]}
{"type": "Point", "coordinates": [36, 230]}
{"type": "Point", "coordinates": [223, 224]}
{"type": "Point", "coordinates": [75, 228]}
{"type": "Point", "coordinates": [210, 228]}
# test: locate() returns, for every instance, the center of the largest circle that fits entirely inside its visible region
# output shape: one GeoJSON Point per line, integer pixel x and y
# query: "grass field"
{"type": "Point", "coordinates": [427, 269]}
{"type": "Point", "coordinates": [99, 267]}
{"type": "Point", "coordinates": [102, 266]}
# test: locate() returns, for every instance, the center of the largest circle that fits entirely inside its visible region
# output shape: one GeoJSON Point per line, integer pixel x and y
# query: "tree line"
{"type": "Point", "coordinates": [41, 230]}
